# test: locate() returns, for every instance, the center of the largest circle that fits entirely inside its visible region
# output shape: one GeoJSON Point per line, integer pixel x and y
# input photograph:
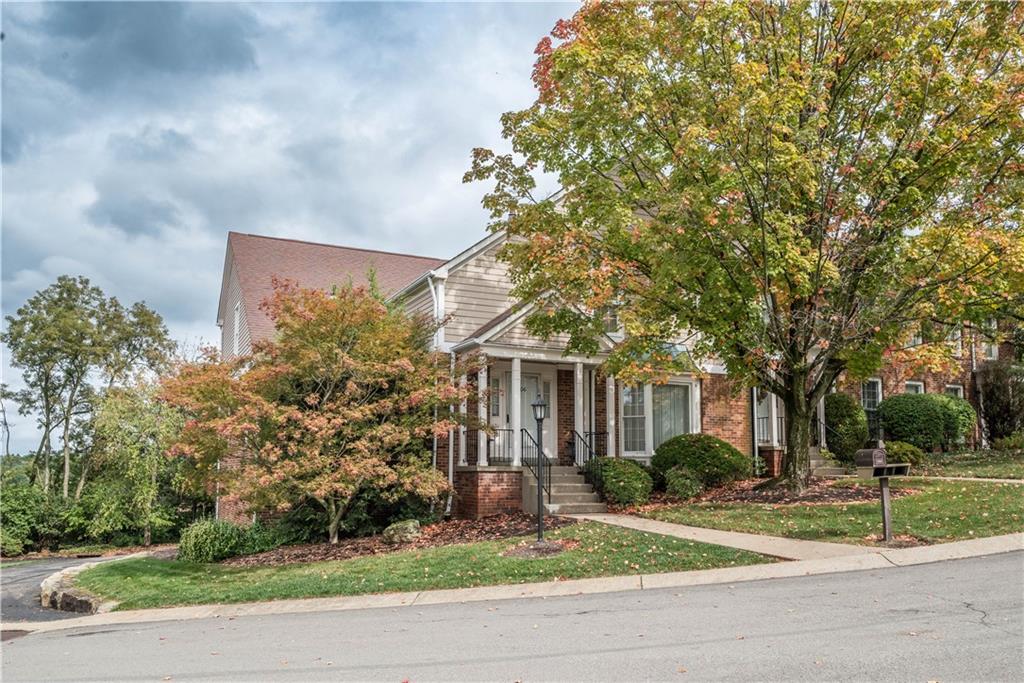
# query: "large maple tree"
{"type": "Point", "coordinates": [789, 188]}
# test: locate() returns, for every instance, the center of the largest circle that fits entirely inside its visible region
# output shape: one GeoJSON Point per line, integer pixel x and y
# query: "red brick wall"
{"type": "Point", "coordinates": [725, 412]}
{"type": "Point", "coordinates": [487, 491]}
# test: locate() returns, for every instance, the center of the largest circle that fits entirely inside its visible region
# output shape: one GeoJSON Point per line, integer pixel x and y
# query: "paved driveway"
{"type": "Point", "coordinates": [19, 589]}
{"type": "Point", "coordinates": [947, 621]}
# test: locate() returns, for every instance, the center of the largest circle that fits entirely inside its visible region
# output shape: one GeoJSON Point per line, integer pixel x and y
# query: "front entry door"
{"type": "Point", "coordinates": [531, 386]}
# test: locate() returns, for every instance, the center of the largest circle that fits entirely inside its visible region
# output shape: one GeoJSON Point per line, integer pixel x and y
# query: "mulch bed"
{"type": "Point", "coordinates": [534, 549]}
{"type": "Point", "coordinates": [449, 532]}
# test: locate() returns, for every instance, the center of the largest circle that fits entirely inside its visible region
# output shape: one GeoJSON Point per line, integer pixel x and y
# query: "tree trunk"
{"type": "Point", "coordinates": [147, 535]}
{"type": "Point", "coordinates": [81, 481]}
{"type": "Point", "coordinates": [334, 514]}
{"type": "Point", "coordinates": [796, 466]}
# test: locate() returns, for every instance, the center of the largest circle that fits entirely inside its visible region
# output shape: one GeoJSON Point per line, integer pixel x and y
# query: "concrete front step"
{"type": "Point", "coordinates": [561, 487]}
{"type": "Point", "coordinates": [574, 508]}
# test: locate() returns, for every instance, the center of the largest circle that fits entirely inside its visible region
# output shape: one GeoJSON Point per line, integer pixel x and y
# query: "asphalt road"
{"type": "Point", "coordinates": [19, 589]}
{"type": "Point", "coordinates": [947, 621]}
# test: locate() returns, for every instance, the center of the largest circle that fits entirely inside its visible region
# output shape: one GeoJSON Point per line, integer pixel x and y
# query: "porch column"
{"type": "Point", "coordinates": [577, 400]}
{"type": "Point", "coordinates": [463, 382]}
{"type": "Point", "coordinates": [610, 413]}
{"type": "Point", "coordinates": [514, 404]}
{"type": "Point", "coordinates": [482, 412]}
{"type": "Point", "coordinates": [773, 423]}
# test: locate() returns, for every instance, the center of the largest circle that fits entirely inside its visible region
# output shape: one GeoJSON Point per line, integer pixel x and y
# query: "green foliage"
{"type": "Point", "coordinates": [960, 419]}
{"type": "Point", "coordinates": [790, 203]}
{"type": "Point", "coordinates": [712, 460]}
{"type": "Point", "coordinates": [898, 451]}
{"type": "Point", "coordinates": [1013, 442]}
{"type": "Point", "coordinates": [210, 540]}
{"type": "Point", "coordinates": [683, 483]}
{"type": "Point", "coordinates": [1001, 395]}
{"type": "Point", "coordinates": [619, 481]}
{"type": "Point", "coordinates": [922, 420]}
{"type": "Point", "coordinates": [21, 507]}
{"type": "Point", "coordinates": [846, 426]}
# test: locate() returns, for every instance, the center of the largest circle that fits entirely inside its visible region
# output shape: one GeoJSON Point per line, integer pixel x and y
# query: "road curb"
{"type": "Point", "coordinates": [869, 560]}
{"type": "Point", "coordinates": [58, 590]}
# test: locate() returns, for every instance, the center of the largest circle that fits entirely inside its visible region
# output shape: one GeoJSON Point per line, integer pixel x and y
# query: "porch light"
{"type": "Point", "coordinates": [540, 408]}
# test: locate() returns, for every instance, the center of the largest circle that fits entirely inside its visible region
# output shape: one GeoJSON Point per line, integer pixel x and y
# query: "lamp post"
{"type": "Point", "coordinates": [540, 409]}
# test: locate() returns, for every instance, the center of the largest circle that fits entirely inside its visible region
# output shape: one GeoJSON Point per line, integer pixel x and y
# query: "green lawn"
{"type": "Point", "coordinates": [942, 511]}
{"type": "Point", "coordinates": [602, 551]}
{"type": "Point", "coordinates": [984, 464]}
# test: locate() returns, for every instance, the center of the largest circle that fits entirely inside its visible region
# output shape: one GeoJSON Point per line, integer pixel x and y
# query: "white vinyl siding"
{"type": "Point", "coordinates": [234, 335]}
{"type": "Point", "coordinates": [475, 293]}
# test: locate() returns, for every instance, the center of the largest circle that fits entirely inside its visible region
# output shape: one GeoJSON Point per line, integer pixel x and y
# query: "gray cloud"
{"type": "Point", "coordinates": [165, 125]}
{"type": "Point", "coordinates": [150, 144]}
{"type": "Point", "coordinates": [109, 44]}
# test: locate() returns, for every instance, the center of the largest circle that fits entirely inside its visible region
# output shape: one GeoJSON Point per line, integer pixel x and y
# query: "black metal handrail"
{"type": "Point", "coordinates": [583, 451]}
{"type": "Point", "coordinates": [500, 449]}
{"type": "Point", "coordinates": [531, 460]}
{"type": "Point", "coordinates": [598, 442]}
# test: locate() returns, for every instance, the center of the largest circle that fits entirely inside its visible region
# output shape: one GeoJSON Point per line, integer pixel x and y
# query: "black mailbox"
{"type": "Point", "coordinates": [870, 457]}
{"type": "Point", "coordinates": [872, 464]}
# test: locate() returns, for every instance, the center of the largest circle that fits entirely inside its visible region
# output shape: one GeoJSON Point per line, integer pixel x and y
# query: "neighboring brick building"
{"type": "Point", "coordinates": [589, 412]}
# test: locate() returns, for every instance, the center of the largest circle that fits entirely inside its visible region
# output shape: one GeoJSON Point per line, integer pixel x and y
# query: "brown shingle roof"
{"type": "Point", "coordinates": [257, 259]}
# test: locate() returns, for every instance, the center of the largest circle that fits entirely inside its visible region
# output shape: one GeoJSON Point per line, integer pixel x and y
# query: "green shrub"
{"type": "Point", "coordinates": [712, 460]}
{"type": "Point", "coordinates": [960, 419]}
{"type": "Point", "coordinates": [846, 426]}
{"type": "Point", "coordinates": [1001, 396]}
{"type": "Point", "coordinates": [211, 540]}
{"type": "Point", "coordinates": [898, 451]}
{"type": "Point", "coordinates": [21, 507]}
{"type": "Point", "coordinates": [922, 420]}
{"type": "Point", "coordinates": [683, 483]}
{"type": "Point", "coordinates": [1013, 442]}
{"type": "Point", "coordinates": [619, 481]}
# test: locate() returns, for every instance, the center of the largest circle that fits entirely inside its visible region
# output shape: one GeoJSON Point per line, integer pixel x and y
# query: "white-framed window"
{"type": "Point", "coordinates": [955, 390]}
{"type": "Point", "coordinates": [634, 420]}
{"type": "Point", "coordinates": [956, 339]}
{"type": "Point", "coordinates": [236, 328]}
{"type": "Point", "coordinates": [916, 339]}
{"type": "Point", "coordinates": [990, 348]}
{"type": "Point", "coordinates": [913, 387]}
{"type": "Point", "coordinates": [652, 414]}
{"type": "Point", "coordinates": [495, 397]}
{"type": "Point", "coordinates": [870, 397]}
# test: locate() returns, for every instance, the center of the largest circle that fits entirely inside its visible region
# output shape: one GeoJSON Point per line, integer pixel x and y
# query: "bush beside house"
{"type": "Point", "coordinates": [619, 481]}
{"type": "Point", "coordinates": [928, 421]}
{"type": "Point", "coordinates": [846, 426]}
{"type": "Point", "coordinates": [683, 483]}
{"type": "Point", "coordinates": [710, 459]}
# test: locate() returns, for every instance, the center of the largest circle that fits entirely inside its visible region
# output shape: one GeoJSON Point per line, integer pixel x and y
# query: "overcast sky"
{"type": "Point", "coordinates": [136, 135]}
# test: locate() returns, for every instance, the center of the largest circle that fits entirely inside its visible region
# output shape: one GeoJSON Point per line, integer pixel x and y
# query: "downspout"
{"type": "Point", "coordinates": [753, 429]}
{"type": "Point", "coordinates": [433, 448]}
{"type": "Point", "coordinates": [977, 391]}
{"type": "Point", "coordinates": [451, 445]}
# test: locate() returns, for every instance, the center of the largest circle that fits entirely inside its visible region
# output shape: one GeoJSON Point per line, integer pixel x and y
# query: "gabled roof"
{"type": "Point", "coordinates": [257, 259]}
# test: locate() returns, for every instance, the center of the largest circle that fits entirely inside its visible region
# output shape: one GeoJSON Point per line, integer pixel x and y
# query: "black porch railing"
{"type": "Point", "coordinates": [500, 447]}
{"type": "Point", "coordinates": [531, 460]}
{"type": "Point", "coordinates": [583, 447]}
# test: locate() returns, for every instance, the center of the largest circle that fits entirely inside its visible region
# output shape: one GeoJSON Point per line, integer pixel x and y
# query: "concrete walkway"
{"type": "Point", "coordinates": [785, 548]}
{"type": "Point", "coordinates": [989, 481]}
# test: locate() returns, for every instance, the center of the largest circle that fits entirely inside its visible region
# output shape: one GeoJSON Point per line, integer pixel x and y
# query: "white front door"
{"type": "Point", "coordinates": [532, 385]}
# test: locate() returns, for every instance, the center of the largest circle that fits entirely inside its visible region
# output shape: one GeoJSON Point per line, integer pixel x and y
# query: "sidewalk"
{"type": "Point", "coordinates": [785, 548]}
{"type": "Point", "coordinates": [982, 479]}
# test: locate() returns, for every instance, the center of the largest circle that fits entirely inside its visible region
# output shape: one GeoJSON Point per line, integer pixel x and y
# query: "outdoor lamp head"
{"type": "Point", "coordinates": [540, 408]}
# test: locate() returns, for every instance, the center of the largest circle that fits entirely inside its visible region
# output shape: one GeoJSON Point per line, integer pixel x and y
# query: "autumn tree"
{"type": "Point", "coordinates": [342, 400]}
{"type": "Point", "coordinates": [787, 187]}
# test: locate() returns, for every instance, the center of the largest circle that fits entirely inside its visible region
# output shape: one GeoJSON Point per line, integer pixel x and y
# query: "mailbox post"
{"type": "Point", "coordinates": [872, 464]}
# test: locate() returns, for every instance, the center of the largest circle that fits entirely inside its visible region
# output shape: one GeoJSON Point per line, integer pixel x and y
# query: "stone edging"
{"type": "Point", "coordinates": [58, 591]}
{"type": "Point", "coordinates": [885, 560]}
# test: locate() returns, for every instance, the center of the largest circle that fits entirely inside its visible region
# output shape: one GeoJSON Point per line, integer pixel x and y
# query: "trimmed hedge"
{"type": "Point", "coordinates": [712, 460]}
{"type": "Point", "coordinates": [922, 420]}
{"type": "Point", "coordinates": [683, 483]}
{"type": "Point", "coordinates": [898, 451]}
{"type": "Point", "coordinates": [619, 481]}
{"type": "Point", "coordinates": [846, 426]}
{"type": "Point", "coordinates": [1013, 442]}
{"type": "Point", "coordinates": [212, 540]}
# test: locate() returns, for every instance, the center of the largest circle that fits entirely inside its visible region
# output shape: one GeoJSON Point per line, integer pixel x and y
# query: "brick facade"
{"type": "Point", "coordinates": [565, 387]}
{"type": "Point", "coordinates": [725, 412]}
{"type": "Point", "coordinates": [483, 491]}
